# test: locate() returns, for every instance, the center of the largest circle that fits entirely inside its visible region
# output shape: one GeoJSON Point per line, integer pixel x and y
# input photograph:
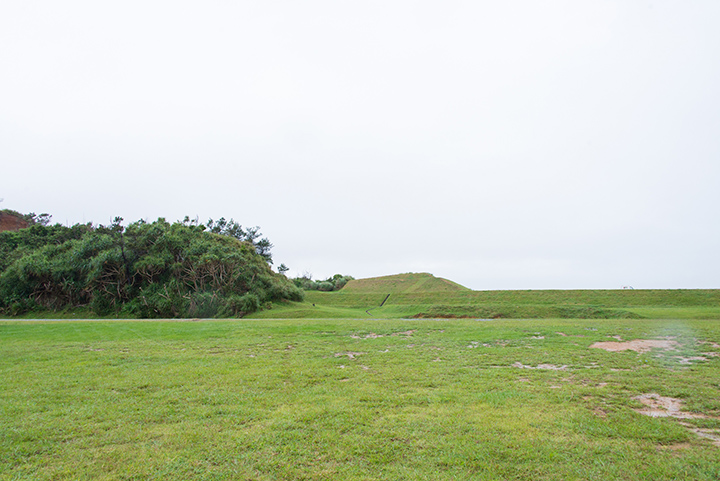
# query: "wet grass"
{"type": "Point", "coordinates": [344, 399]}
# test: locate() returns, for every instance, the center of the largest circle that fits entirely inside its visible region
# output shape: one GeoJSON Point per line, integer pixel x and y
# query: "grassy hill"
{"type": "Point", "coordinates": [423, 295]}
{"type": "Point", "coordinates": [403, 283]}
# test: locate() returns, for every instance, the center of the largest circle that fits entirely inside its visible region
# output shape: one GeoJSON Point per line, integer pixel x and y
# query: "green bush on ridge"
{"type": "Point", "coordinates": [334, 283]}
{"type": "Point", "coordinates": [147, 270]}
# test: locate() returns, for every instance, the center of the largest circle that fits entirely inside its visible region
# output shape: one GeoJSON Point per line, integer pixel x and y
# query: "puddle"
{"type": "Point", "coordinates": [551, 367]}
{"type": "Point", "coordinates": [638, 345]}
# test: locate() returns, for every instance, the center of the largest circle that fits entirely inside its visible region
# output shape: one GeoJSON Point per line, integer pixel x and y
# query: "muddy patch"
{"type": "Point", "coordinates": [550, 367]}
{"type": "Point", "coordinates": [638, 345]}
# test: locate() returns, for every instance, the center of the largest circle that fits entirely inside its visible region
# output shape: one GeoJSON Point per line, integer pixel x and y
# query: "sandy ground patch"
{"type": "Point", "coordinates": [657, 406]}
{"type": "Point", "coordinates": [711, 434]}
{"type": "Point", "coordinates": [351, 355]}
{"type": "Point", "coordinates": [689, 360]}
{"type": "Point", "coordinates": [637, 345]}
{"type": "Point", "coordinates": [404, 333]}
{"type": "Point", "coordinates": [551, 367]}
{"type": "Point", "coordinates": [372, 335]}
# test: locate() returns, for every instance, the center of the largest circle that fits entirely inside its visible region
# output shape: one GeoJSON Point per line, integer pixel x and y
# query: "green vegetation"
{"type": "Point", "coordinates": [145, 270]}
{"type": "Point", "coordinates": [334, 283]}
{"type": "Point", "coordinates": [354, 400]}
{"type": "Point", "coordinates": [423, 295]}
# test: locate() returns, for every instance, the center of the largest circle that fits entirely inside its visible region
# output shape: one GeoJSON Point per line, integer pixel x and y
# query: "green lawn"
{"type": "Point", "coordinates": [353, 400]}
{"type": "Point", "coordinates": [571, 304]}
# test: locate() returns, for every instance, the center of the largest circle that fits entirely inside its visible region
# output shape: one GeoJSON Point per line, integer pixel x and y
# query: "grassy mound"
{"type": "Point", "coordinates": [403, 283]}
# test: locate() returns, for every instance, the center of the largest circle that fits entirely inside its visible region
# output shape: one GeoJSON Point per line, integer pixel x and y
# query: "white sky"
{"type": "Point", "coordinates": [503, 145]}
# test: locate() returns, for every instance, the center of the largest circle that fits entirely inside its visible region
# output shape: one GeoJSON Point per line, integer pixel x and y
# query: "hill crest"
{"type": "Point", "coordinates": [403, 283]}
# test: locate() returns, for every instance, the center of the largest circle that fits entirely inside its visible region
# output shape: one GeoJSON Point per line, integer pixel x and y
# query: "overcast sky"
{"type": "Point", "coordinates": [521, 144]}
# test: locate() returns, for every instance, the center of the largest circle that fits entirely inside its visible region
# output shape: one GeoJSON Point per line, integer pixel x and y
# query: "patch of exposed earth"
{"type": "Point", "coordinates": [711, 434]}
{"type": "Point", "coordinates": [373, 335]}
{"type": "Point", "coordinates": [551, 367]}
{"type": "Point", "coordinates": [645, 345]}
{"type": "Point", "coordinates": [657, 406]}
{"type": "Point", "coordinates": [637, 345]}
{"type": "Point", "coordinates": [351, 355]}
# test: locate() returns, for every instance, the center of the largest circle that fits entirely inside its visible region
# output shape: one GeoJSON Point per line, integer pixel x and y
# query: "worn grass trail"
{"type": "Point", "coordinates": [355, 400]}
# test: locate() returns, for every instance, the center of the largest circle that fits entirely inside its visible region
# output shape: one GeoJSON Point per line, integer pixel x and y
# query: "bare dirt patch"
{"type": "Point", "coordinates": [657, 406]}
{"type": "Point", "coordinates": [351, 355]}
{"type": "Point", "coordinates": [637, 345]}
{"type": "Point", "coordinates": [600, 412]}
{"type": "Point", "coordinates": [711, 434]}
{"type": "Point", "coordinates": [404, 333]}
{"type": "Point", "coordinates": [551, 367]}
{"type": "Point", "coordinates": [674, 447]}
{"type": "Point", "coordinates": [689, 360]}
{"type": "Point", "coordinates": [372, 335]}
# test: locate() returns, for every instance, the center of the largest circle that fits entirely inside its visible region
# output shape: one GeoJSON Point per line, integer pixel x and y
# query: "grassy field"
{"type": "Point", "coordinates": [355, 399]}
{"type": "Point", "coordinates": [423, 295]}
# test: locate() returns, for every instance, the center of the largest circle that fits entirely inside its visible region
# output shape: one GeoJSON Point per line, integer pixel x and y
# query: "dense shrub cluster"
{"type": "Point", "coordinates": [334, 283]}
{"type": "Point", "coordinates": [147, 270]}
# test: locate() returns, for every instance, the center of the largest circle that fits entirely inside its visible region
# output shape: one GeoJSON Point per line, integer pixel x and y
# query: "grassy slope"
{"type": "Point", "coordinates": [284, 400]}
{"type": "Point", "coordinates": [413, 294]}
{"type": "Point", "coordinates": [403, 283]}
